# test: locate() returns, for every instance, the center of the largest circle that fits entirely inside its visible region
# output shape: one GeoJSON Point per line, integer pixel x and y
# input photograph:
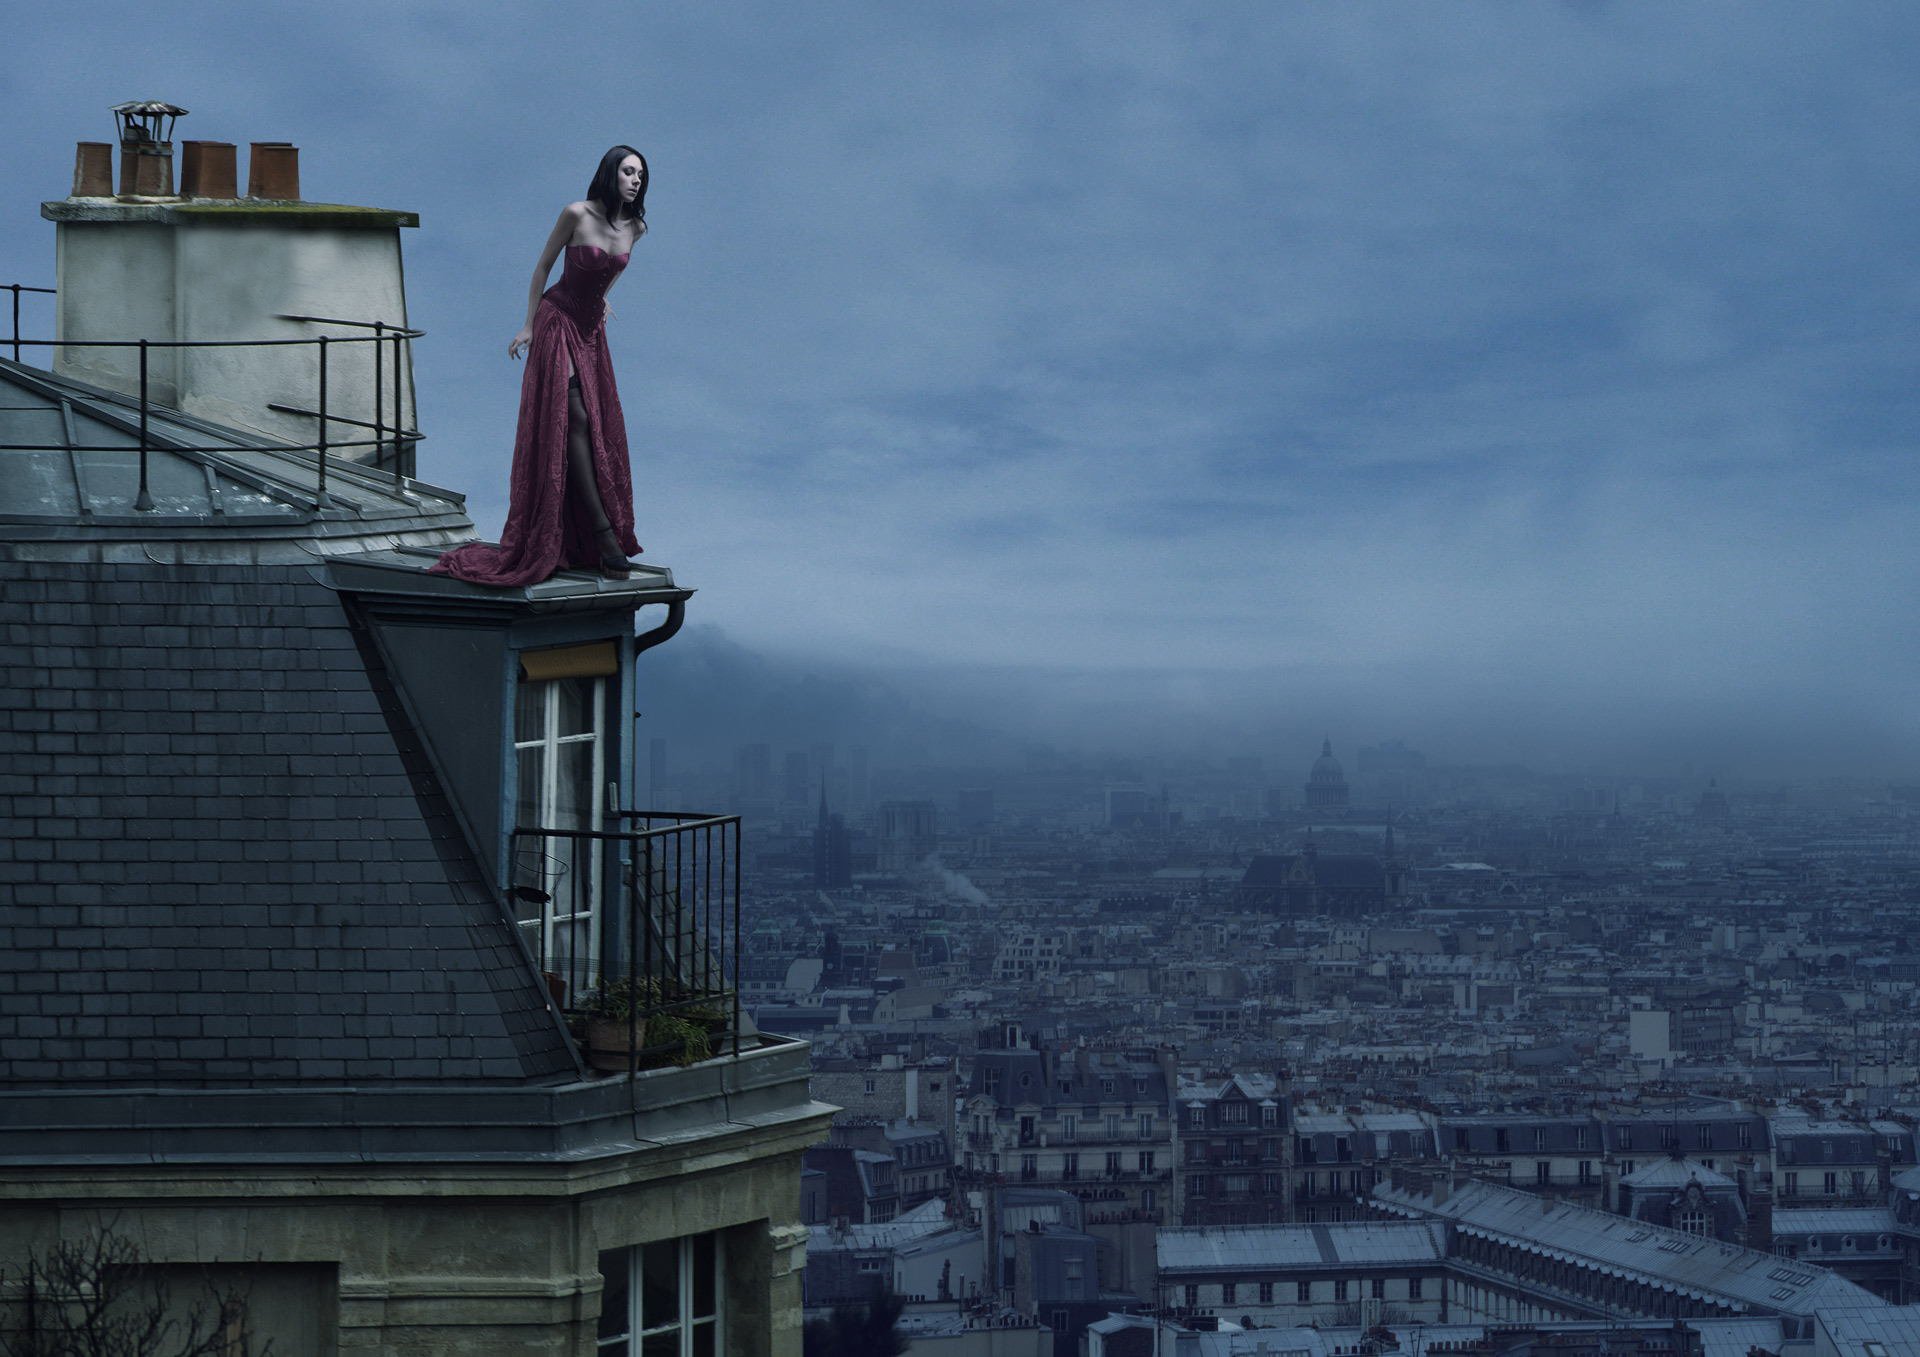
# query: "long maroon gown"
{"type": "Point", "coordinates": [548, 529]}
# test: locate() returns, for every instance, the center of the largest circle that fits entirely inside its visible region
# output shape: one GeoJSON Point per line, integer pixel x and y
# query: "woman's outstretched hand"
{"type": "Point", "coordinates": [521, 343]}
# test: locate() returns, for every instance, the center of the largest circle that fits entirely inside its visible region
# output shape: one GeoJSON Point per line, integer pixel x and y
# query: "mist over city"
{"type": "Point", "coordinates": [1618, 720]}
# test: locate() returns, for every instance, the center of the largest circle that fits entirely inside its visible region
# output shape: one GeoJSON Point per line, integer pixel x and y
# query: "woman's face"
{"type": "Point", "coordinates": [629, 176]}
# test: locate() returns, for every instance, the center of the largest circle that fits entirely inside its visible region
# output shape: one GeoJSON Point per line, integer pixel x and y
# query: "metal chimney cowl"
{"type": "Point", "coordinates": [146, 147]}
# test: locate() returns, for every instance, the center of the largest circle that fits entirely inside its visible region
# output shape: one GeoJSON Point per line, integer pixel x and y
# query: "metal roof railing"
{"type": "Point", "coordinates": [385, 434]}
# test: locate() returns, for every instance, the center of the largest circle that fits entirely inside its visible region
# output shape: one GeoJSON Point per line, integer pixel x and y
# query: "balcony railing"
{"type": "Point", "coordinates": [390, 438]}
{"type": "Point", "coordinates": [640, 926]}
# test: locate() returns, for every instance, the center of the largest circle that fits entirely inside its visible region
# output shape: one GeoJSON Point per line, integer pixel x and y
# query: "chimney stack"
{"type": "Point", "coordinates": [93, 170]}
{"type": "Point", "coordinates": [149, 264]}
{"type": "Point", "coordinates": [208, 170]}
{"type": "Point", "coordinates": [273, 171]}
{"type": "Point", "coordinates": [146, 147]}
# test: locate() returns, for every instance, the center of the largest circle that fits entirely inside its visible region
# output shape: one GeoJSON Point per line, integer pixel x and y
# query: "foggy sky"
{"type": "Point", "coordinates": [1534, 375]}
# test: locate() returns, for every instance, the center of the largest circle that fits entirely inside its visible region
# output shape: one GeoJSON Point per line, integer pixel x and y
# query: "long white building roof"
{"type": "Point", "coordinates": [1690, 1265]}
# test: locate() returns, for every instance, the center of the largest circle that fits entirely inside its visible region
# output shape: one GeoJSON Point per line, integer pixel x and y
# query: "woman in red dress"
{"type": "Point", "coordinates": [571, 499]}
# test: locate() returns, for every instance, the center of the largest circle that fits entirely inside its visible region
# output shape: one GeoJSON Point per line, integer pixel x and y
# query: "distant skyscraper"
{"type": "Point", "coordinates": [1327, 783]}
{"type": "Point", "coordinates": [795, 784]}
{"type": "Point", "coordinates": [832, 850]}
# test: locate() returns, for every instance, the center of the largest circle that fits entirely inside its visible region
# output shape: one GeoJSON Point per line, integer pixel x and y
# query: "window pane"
{"type": "Point", "coordinates": [661, 1344]}
{"type": "Point", "coordinates": [702, 1275]}
{"type": "Point", "coordinates": [526, 806]}
{"type": "Point", "coordinates": [575, 716]}
{"type": "Point", "coordinates": [530, 711]}
{"type": "Point", "coordinates": [573, 786]}
{"type": "Point", "coordinates": [614, 1265]}
{"type": "Point", "coordinates": [703, 1339]}
{"type": "Point", "coordinates": [569, 863]}
{"type": "Point", "coordinates": [660, 1283]}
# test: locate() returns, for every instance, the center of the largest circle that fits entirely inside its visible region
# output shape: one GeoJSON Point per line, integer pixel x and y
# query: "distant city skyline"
{"type": "Point", "coordinates": [1530, 378]}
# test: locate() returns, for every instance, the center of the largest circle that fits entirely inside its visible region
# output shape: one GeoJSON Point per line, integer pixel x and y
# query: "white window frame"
{"type": "Point", "coordinates": [551, 921]}
{"type": "Point", "coordinates": [685, 1321]}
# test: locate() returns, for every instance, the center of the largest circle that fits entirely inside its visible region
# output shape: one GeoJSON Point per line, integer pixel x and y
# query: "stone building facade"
{"type": "Point", "coordinates": [1094, 1124]}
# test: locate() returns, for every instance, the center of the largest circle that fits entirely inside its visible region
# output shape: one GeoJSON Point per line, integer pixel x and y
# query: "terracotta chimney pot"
{"type": "Point", "coordinates": [273, 170]}
{"type": "Point", "coordinates": [93, 170]}
{"type": "Point", "coordinates": [146, 172]}
{"type": "Point", "coordinates": [208, 170]}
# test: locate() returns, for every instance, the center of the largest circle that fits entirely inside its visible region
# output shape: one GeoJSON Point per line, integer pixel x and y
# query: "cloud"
{"type": "Point", "coordinates": [1510, 350]}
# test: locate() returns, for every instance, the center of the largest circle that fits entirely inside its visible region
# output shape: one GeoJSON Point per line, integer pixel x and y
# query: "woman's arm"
{"type": "Point", "coordinates": [557, 239]}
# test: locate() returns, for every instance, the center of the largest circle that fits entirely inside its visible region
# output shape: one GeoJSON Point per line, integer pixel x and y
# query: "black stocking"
{"type": "Point", "coordinates": [580, 463]}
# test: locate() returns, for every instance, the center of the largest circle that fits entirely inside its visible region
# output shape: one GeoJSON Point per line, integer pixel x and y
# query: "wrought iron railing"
{"type": "Point", "coordinates": [389, 437]}
{"type": "Point", "coordinates": [637, 929]}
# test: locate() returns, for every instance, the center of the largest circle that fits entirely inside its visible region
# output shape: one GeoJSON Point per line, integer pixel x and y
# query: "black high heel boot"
{"type": "Point", "coordinates": [613, 561]}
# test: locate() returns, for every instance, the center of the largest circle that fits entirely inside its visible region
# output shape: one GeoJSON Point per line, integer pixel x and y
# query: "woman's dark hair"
{"type": "Point", "coordinates": [605, 189]}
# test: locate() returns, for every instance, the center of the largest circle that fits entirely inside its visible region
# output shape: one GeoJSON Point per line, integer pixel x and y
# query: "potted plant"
{"type": "Point", "coordinates": [624, 1022]}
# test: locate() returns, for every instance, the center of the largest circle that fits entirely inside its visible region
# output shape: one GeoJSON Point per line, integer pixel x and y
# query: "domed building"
{"type": "Point", "coordinates": [1327, 782]}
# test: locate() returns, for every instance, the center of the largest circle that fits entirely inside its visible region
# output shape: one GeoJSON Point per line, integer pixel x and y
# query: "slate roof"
{"type": "Point", "coordinates": [1210, 1249]}
{"type": "Point", "coordinates": [1675, 1173]}
{"type": "Point", "coordinates": [1883, 1331]}
{"type": "Point", "coordinates": [1840, 1220]}
{"type": "Point", "coordinates": [72, 460]}
{"type": "Point", "coordinates": [1033, 1078]}
{"type": "Point", "coordinates": [224, 858]}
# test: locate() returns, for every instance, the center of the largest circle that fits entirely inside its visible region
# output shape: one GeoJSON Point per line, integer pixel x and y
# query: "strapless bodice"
{"type": "Point", "coordinates": [585, 276]}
